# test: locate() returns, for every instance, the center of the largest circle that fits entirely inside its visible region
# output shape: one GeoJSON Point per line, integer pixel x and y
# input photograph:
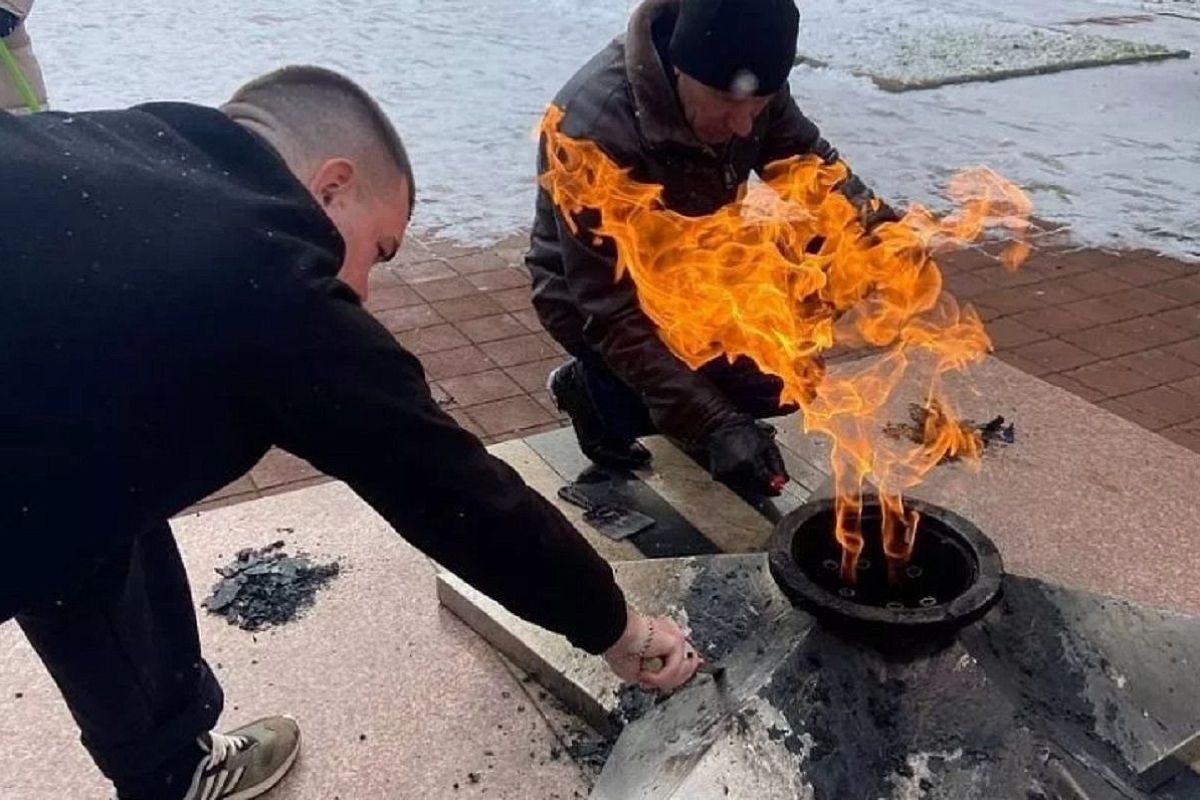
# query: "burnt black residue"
{"type": "Point", "coordinates": [633, 703]}
{"type": "Point", "coordinates": [996, 432]}
{"type": "Point", "coordinates": [1047, 684]}
{"type": "Point", "coordinates": [718, 608]}
{"type": "Point", "coordinates": [859, 716]}
{"type": "Point", "coordinates": [266, 587]}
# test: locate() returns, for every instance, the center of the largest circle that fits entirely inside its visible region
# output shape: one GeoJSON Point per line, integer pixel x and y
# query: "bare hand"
{"type": "Point", "coordinates": [654, 653]}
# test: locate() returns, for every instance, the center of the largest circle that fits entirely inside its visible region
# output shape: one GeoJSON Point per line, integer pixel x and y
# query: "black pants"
{"type": "Point", "coordinates": [125, 652]}
{"type": "Point", "coordinates": [625, 415]}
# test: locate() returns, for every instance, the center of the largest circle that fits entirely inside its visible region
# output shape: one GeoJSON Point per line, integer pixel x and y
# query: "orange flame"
{"type": "Point", "coordinates": [786, 272]}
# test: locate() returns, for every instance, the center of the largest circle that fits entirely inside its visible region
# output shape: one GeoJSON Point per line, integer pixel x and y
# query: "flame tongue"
{"type": "Point", "coordinates": [787, 272]}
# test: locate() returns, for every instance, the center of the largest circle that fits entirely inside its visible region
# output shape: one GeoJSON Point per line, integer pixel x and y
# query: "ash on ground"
{"type": "Point", "coordinates": [996, 432]}
{"type": "Point", "coordinates": [267, 587]}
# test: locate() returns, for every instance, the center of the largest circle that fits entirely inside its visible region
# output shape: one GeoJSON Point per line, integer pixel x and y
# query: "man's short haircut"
{"type": "Point", "coordinates": [311, 114]}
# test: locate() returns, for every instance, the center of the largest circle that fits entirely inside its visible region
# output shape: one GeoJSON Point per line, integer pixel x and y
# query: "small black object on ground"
{"type": "Point", "coordinates": [266, 587]}
{"type": "Point", "coordinates": [996, 432]}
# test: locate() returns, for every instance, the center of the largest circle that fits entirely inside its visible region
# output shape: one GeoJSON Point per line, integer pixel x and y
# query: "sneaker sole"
{"type": "Point", "coordinates": [274, 779]}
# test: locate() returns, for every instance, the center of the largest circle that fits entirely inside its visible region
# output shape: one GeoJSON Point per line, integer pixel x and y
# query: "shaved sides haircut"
{"type": "Point", "coordinates": [312, 114]}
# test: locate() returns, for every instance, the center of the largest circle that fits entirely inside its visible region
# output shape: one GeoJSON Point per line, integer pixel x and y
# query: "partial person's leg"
{"type": "Point", "coordinates": [608, 416]}
{"type": "Point", "coordinates": [125, 652]}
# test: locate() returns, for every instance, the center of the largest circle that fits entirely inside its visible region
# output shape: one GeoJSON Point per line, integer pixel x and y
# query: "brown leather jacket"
{"type": "Point", "coordinates": [624, 101]}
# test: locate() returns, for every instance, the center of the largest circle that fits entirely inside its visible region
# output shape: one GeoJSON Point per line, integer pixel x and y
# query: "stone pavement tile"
{"type": "Point", "coordinates": [1110, 379]}
{"type": "Point", "coordinates": [1058, 291]}
{"type": "Point", "coordinates": [1160, 364]}
{"type": "Point", "coordinates": [481, 261]}
{"type": "Point", "coordinates": [278, 467]}
{"type": "Point", "coordinates": [1106, 341]}
{"type": "Point", "coordinates": [398, 320]}
{"type": "Point", "coordinates": [1096, 284]}
{"type": "Point", "coordinates": [465, 422]}
{"type": "Point", "coordinates": [242, 485]}
{"type": "Point", "coordinates": [1141, 273]}
{"type": "Point", "coordinates": [489, 329]}
{"type": "Point", "coordinates": [482, 387]}
{"type": "Point", "coordinates": [518, 350]}
{"type": "Point", "coordinates": [1190, 387]}
{"type": "Point", "coordinates": [1052, 320]}
{"type": "Point", "coordinates": [432, 339]}
{"type": "Point", "coordinates": [426, 271]}
{"type": "Point", "coordinates": [293, 486]}
{"type": "Point", "coordinates": [966, 286]}
{"type": "Point", "coordinates": [513, 299]}
{"type": "Point", "coordinates": [1002, 278]}
{"type": "Point", "coordinates": [208, 505]}
{"type": "Point", "coordinates": [1169, 406]}
{"type": "Point", "coordinates": [1183, 436]}
{"type": "Point", "coordinates": [1101, 310]}
{"type": "Point", "coordinates": [445, 289]}
{"type": "Point", "coordinates": [455, 362]}
{"type": "Point", "coordinates": [1149, 300]}
{"type": "Point", "coordinates": [532, 377]}
{"type": "Point", "coordinates": [529, 319]}
{"type": "Point", "coordinates": [389, 297]}
{"type": "Point", "coordinates": [1007, 333]}
{"type": "Point", "coordinates": [1151, 331]}
{"type": "Point", "coordinates": [1011, 300]}
{"type": "Point", "coordinates": [1186, 318]}
{"type": "Point", "coordinates": [497, 279]}
{"type": "Point", "coordinates": [1185, 289]}
{"type": "Point", "coordinates": [1053, 355]}
{"type": "Point", "coordinates": [472, 306]}
{"type": "Point", "coordinates": [1011, 358]}
{"type": "Point", "coordinates": [1064, 381]}
{"type": "Point", "coordinates": [1135, 414]}
{"type": "Point", "coordinates": [512, 415]}
{"type": "Point", "coordinates": [1188, 350]}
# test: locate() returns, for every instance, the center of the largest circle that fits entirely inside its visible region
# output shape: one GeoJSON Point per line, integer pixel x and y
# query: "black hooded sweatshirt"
{"type": "Point", "coordinates": [169, 311]}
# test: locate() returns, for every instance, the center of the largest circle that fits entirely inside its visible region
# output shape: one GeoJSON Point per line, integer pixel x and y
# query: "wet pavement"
{"type": "Point", "coordinates": [1114, 152]}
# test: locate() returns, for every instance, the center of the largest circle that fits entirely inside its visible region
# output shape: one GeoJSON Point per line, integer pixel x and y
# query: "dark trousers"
{"type": "Point", "coordinates": [625, 415]}
{"type": "Point", "coordinates": [125, 652]}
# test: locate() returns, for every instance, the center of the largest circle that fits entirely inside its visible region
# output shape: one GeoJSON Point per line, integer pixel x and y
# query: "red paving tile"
{"type": "Point", "coordinates": [532, 377]}
{"type": "Point", "coordinates": [445, 289]}
{"type": "Point", "coordinates": [410, 318]}
{"type": "Point", "coordinates": [518, 350]}
{"type": "Point", "coordinates": [510, 415]}
{"type": "Point", "coordinates": [490, 329]}
{"type": "Point", "coordinates": [432, 340]}
{"type": "Point", "coordinates": [497, 279]}
{"type": "Point", "coordinates": [278, 468]}
{"type": "Point", "coordinates": [455, 362]}
{"type": "Point", "coordinates": [473, 306]}
{"type": "Point", "coordinates": [482, 387]}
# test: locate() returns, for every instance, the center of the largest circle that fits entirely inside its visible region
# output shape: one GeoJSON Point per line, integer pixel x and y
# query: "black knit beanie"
{"type": "Point", "coordinates": [744, 46]}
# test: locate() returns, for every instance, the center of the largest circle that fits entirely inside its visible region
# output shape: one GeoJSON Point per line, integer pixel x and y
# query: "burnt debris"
{"type": "Point", "coordinates": [997, 432]}
{"type": "Point", "coordinates": [267, 587]}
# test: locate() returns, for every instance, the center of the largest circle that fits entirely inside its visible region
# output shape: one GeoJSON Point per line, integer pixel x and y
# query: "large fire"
{"type": "Point", "coordinates": [787, 272]}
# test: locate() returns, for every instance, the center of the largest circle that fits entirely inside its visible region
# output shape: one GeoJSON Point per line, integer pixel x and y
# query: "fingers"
{"type": "Point", "coordinates": [670, 660]}
{"type": "Point", "coordinates": [677, 668]}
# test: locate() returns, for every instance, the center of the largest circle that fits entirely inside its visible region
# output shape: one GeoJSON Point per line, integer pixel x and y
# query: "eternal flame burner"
{"type": "Point", "coordinates": [952, 579]}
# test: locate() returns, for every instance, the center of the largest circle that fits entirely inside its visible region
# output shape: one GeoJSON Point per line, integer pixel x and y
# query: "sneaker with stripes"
{"type": "Point", "coordinates": [247, 762]}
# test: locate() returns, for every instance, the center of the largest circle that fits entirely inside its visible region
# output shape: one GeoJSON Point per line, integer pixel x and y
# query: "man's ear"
{"type": "Point", "coordinates": [332, 180]}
